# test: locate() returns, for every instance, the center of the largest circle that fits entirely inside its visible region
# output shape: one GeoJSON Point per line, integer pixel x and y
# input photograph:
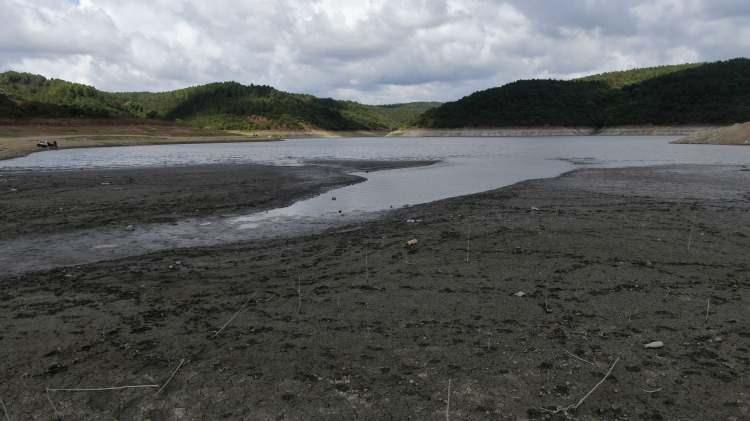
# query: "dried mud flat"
{"type": "Point", "coordinates": [351, 325]}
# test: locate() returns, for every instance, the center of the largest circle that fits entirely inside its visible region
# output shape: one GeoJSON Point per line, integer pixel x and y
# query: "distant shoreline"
{"type": "Point", "coordinates": [555, 131]}
{"type": "Point", "coordinates": [17, 146]}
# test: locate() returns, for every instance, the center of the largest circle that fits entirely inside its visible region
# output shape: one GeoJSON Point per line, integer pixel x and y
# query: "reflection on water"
{"type": "Point", "coordinates": [468, 165]}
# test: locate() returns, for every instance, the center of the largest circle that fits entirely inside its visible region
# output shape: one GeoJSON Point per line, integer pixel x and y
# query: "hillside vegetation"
{"type": "Point", "coordinates": [690, 94]}
{"type": "Point", "coordinates": [622, 78]}
{"type": "Point", "coordinates": [226, 105]}
{"type": "Point", "coordinates": [713, 93]}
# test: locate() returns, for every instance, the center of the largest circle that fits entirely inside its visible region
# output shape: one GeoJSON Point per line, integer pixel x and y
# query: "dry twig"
{"type": "Point", "coordinates": [102, 389]}
{"type": "Point", "coordinates": [182, 361]}
{"type": "Point", "coordinates": [448, 405]}
{"type": "Point", "coordinates": [580, 402]}
{"type": "Point", "coordinates": [234, 315]}
{"type": "Point", "coordinates": [578, 358]}
{"type": "Point", "coordinates": [367, 269]}
{"type": "Point", "coordinates": [299, 294]}
{"type": "Point", "coordinates": [468, 243]}
{"type": "Point", "coordinates": [708, 307]}
{"type": "Point", "coordinates": [52, 404]}
{"type": "Point", "coordinates": [5, 410]}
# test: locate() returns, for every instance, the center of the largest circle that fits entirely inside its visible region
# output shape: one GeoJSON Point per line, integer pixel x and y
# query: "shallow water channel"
{"type": "Point", "coordinates": [467, 165]}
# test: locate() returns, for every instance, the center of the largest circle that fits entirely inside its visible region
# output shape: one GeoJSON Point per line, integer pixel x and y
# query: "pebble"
{"type": "Point", "coordinates": [520, 294]}
{"type": "Point", "coordinates": [654, 345]}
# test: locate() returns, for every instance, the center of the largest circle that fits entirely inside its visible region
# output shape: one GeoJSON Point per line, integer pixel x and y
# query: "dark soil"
{"type": "Point", "coordinates": [353, 325]}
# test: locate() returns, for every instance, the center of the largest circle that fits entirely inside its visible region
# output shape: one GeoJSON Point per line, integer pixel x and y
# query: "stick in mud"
{"type": "Point", "coordinates": [5, 410]}
{"type": "Point", "coordinates": [468, 243]}
{"type": "Point", "coordinates": [299, 294]}
{"type": "Point", "coordinates": [367, 271]}
{"type": "Point", "coordinates": [182, 361]}
{"type": "Point", "coordinates": [708, 307]}
{"type": "Point", "coordinates": [580, 402]}
{"type": "Point", "coordinates": [578, 358]}
{"type": "Point", "coordinates": [52, 404]}
{"type": "Point", "coordinates": [448, 404]}
{"type": "Point", "coordinates": [102, 389]}
{"type": "Point", "coordinates": [234, 316]}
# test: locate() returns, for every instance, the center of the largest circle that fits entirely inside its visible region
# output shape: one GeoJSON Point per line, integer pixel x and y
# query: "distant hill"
{"type": "Point", "coordinates": [712, 93]}
{"type": "Point", "coordinates": [226, 105]}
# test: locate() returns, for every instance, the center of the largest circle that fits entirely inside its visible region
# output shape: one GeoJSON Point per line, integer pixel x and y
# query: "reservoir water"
{"type": "Point", "coordinates": [467, 165]}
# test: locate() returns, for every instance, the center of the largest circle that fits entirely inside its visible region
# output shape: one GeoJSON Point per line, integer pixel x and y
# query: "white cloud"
{"type": "Point", "coordinates": [379, 51]}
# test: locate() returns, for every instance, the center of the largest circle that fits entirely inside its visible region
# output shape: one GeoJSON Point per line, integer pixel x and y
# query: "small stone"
{"type": "Point", "coordinates": [519, 294]}
{"type": "Point", "coordinates": [654, 345]}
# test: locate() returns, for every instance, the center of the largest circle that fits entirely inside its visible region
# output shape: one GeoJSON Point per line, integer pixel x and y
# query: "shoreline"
{"type": "Point", "coordinates": [58, 201]}
{"type": "Point", "coordinates": [555, 131]}
{"type": "Point", "coordinates": [18, 146]}
{"type": "Point", "coordinates": [502, 288]}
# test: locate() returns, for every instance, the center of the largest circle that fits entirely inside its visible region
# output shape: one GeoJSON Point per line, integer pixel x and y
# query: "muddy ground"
{"type": "Point", "coordinates": [518, 301]}
{"type": "Point", "coordinates": [42, 202]}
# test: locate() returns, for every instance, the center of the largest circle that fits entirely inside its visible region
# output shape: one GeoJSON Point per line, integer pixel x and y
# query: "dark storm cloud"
{"type": "Point", "coordinates": [368, 50]}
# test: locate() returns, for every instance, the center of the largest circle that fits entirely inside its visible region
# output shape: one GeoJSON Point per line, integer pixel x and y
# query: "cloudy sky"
{"type": "Point", "coordinates": [376, 51]}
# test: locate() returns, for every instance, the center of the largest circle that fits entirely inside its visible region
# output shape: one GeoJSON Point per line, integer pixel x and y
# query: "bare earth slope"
{"type": "Point", "coordinates": [347, 324]}
{"type": "Point", "coordinates": [738, 134]}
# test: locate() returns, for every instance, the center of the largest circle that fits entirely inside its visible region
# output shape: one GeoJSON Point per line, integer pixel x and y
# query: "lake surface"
{"type": "Point", "coordinates": [467, 165]}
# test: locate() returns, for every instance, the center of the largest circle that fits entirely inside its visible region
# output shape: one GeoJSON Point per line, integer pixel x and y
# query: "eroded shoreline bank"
{"type": "Point", "coordinates": [350, 324]}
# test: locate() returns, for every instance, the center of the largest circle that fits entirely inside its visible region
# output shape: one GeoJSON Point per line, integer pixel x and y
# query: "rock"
{"type": "Point", "coordinates": [654, 345]}
{"type": "Point", "coordinates": [333, 198]}
{"type": "Point", "coordinates": [130, 228]}
{"type": "Point", "coordinates": [519, 294]}
{"type": "Point", "coordinates": [412, 243]}
{"type": "Point", "coordinates": [534, 208]}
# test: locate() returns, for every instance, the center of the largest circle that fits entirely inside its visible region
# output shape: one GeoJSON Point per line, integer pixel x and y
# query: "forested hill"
{"type": "Point", "coordinates": [226, 105]}
{"type": "Point", "coordinates": [712, 93]}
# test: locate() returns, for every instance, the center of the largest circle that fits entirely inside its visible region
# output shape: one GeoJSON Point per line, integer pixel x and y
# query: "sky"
{"type": "Point", "coordinates": [372, 51]}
